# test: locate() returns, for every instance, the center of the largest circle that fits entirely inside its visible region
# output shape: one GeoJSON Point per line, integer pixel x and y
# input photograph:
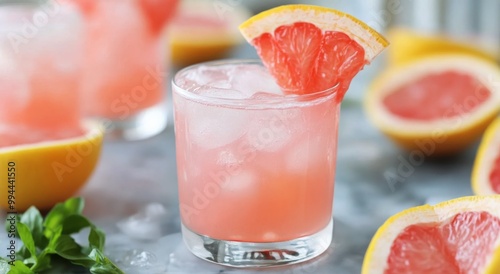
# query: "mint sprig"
{"type": "Point", "coordinates": [46, 239]}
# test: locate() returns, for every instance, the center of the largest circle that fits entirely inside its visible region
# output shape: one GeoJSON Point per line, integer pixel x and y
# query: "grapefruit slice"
{"type": "Point", "coordinates": [408, 45]}
{"type": "Point", "coordinates": [486, 171]}
{"type": "Point", "coordinates": [457, 236]}
{"type": "Point", "coordinates": [438, 105]}
{"type": "Point", "coordinates": [201, 32]}
{"type": "Point", "coordinates": [309, 48]}
{"type": "Point", "coordinates": [43, 168]}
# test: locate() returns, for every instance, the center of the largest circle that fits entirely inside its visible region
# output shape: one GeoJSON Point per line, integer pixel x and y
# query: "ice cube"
{"type": "Point", "coordinates": [251, 79]}
{"type": "Point", "coordinates": [272, 130]}
{"type": "Point", "coordinates": [240, 181]}
{"type": "Point", "coordinates": [309, 152]}
{"type": "Point", "coordinates": [219, 91]}
{"type": "Point", "coordinates": [202, 76]}
{"type": "Point", "coordinates": [229, 158]}
{"type": "Point", "coordinates": [214, 126]}
{"type": "Point", "coordinates": [148, 224]}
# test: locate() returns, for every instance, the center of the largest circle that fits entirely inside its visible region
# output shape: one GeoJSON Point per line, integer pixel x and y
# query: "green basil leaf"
{"type": "Point", "coordinates": [97, 238]}
{"type": "Point", "coordinates": [23, 253]}
{"type": "Point", "coordinates": [67, 248]}
{"type": "Point", "coordinates": [34, 221]}
{"type": "Point", "coordinates": [105, 269]}
{"type": "Point", "coordinates": [102, 264]}
{"type": "Point", "coordinates": [74, 223]}
{"type": "Point", "coordinates": [20, 268]}
{"type": "Point", "coordinates": [27, 238]}
{"type": "Point", "coordinates": [42, 262]}
{"type": "Point", "coordinates": [60, 212]}
{"type": "Point", "coordinates": [51, 247]}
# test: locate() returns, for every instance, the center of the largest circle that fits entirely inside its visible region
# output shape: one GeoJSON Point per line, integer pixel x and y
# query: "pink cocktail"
{"type": "Point", "coordinates": [125, 64]}
{"type": "Point", "coordinates": [40, 68]}
{"type": "Point", "coordinates": [255, 167]}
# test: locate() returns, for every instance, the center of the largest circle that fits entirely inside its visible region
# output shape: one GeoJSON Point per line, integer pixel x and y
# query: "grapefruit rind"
{"type": "Point", "coordinates": [376, 256]}
{"type": "Point", "coordinates": [324, 18]}
{"type": "Point", "coordinates": [488, 152]}
{"type": "Point", "coordinates": [459, 131]}
{"type": "Point", "coordinates": [409, 45]}
{"type": "Point", "coordinates": [49, 172]}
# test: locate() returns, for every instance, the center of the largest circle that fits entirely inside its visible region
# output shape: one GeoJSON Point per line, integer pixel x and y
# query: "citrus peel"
{"type": "Point", "coordinates": [49, 172]}
{"type": "Point", "coordinates": [486, 165]}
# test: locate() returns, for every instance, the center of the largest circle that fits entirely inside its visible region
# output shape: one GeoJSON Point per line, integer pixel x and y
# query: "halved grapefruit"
{"type": "Point", "coordinates": [309, 48]}
{"type": "Point", "coordinates": [438, 105]}
{"type": "Point", "coordinates": [204, 30]}
{"type": "Point", "coordinates": [42, 168]}
{"type": "Point", "coordinates": [408, 45]}
{"type": "Point", "coordinates": [486, 171]}
{"type": "Point", "coordinates": [457, 236]}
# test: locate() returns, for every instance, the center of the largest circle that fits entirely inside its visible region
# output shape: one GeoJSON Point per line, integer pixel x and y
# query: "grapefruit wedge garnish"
{"type": "Point", "coordinates": [486, 172]}
{"type": "Point", "coordinates": [438, 105]}
{"type": "Point", "coordinates": [309, 48]}
{"type": "Point", "coordinates": [454, 237]}
{"type": "Point", "coordinates": [44, 167]}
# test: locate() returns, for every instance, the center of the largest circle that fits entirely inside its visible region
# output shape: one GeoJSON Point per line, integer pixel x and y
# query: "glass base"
{"type": "Point", "coordinates": [145, 124]}
{"type": "Point", "coordinates": [246, 254]}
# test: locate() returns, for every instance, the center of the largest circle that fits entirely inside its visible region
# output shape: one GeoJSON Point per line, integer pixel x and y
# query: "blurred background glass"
{"type": "Point", "coordinates": [40, 65]}
{"type": "Point", "coordinates": [125, 64]}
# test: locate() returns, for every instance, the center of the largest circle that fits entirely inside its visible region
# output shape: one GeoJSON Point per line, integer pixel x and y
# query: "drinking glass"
{"type": "Point", "coordinates": [125, 67]}
{"type": "Point", "coordinates": [255, 168]}
{"type": "Point", "coordinates": [40, 46]}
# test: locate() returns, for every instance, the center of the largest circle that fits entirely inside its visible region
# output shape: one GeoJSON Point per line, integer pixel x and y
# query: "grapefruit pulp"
{"type": "Point", "coordinates": [309, 49]}
{"type": "Point", "coordinates": [438, 105]}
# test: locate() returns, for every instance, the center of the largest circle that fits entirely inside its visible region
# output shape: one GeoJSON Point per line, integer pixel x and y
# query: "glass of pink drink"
{"type": "Point", "coordinates": [125, 65]}
{"type": "Point", "coordinates": [255, 167]}
{"type": "Point", "coordinates": [40, 66]}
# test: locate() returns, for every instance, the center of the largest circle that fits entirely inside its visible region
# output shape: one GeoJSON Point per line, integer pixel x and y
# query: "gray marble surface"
{"type": "Point", "coordinates": [133, 196]}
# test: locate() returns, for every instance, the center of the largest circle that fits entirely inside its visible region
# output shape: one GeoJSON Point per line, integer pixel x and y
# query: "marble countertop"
{"type": "Point", "coordinates": [374, 180]}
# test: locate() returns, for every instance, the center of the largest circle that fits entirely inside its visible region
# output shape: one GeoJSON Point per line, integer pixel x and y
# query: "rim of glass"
{"type": "Point", "coordinates": [245, 102]}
